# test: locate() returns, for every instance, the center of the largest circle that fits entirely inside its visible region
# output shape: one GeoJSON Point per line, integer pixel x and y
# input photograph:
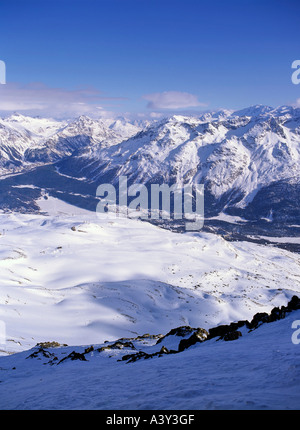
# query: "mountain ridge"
{"type": "Point", "coordinates": [248, 160]}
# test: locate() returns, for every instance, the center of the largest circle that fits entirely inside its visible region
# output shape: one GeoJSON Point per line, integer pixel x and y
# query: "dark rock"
{"type": "Point", "coordinates": [52, 344]}
{"type": "Point", "coordinates": [178, 331]}
{"type": "Point", "coordinates": [89, 349]}
{"type": "Point", "coordinates": [148, 336]}
{"type": "Point", "coordinates": [117, 345]}
{"type": "Point", "coordinates": [259, 319]}
{"type": "Point", "coordinates": [40, 352]}
{"type": "Point", "coordinates": [277, 314]}
{"type": "Point", "coordinates": [222, 330]}
{"type": "Point", "coordinates": [103, 348]}
{"type": "Point", "coordinates": [74, 356]}
{"type": "Point", "coordinates": [164, 350]}
{"type": "Point", "coordinates": [232, 335]}
{"type": "Point", "coordinates": [293, 304]}
{"type": "Point", "coordinates": [238, 324]}
{"type": "Point", "coordinates": [200, 335]}
{"type": "Point", "coordinates": [130, 358]}
{"type": "Point", "coordinates": [219, 331]}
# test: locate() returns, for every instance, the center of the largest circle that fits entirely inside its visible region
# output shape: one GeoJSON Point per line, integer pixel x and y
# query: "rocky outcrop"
{"type": "Point", "coordinates": [232, 335]}
{"type": "Point", "coordinates": [187, 335]}
{"type": "Point", "coordinates": [276, 314]}
{"type": "Point", "coordinates": [40, 352]}
{"type": "Point", "coordinates": [74, 356]}
{"type": "Point", "coordinates": [52, 344]}
{"type": "Point", "coordinates": [226, 332]}
{"type": "Point", "coordinates": [130, 358]}
{"type": "Point", "coordinates": [178, 331]}
{"type": "Point", "coordinates": [222, 331]}
{"type": "Point", "coordinates": [199, 335]}
{"type": "Point", "coordinates": [117, 345]}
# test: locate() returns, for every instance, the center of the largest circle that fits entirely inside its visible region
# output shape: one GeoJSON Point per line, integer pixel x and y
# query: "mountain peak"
{"type": "Point", "coordinates": [254, 111]}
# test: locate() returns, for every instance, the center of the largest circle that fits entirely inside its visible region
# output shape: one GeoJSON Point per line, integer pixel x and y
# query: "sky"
{"type": "Point", "coordinates": [147, 57]}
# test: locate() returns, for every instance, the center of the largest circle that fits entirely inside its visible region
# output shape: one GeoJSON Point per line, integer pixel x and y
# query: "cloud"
{"type": "Point", "coordinates": [172, 100]}
{"type": "Point", "coordinates": [39, 99]}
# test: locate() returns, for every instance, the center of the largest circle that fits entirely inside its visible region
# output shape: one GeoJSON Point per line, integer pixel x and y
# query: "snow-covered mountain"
{"type": "Point", "coordinates": [236, 157]}
{"type": "Point", "coordinates": [20, 133]}
{"type": "Point", "coordinates": [26, 141]}
{"type": "Point", "coordinates": [248, 160]}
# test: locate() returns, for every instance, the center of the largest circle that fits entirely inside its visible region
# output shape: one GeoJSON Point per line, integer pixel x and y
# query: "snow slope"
{"type": "Point", "coordinates": [260, 370]}
{"type": "Point", "coordinates": [77, 278]}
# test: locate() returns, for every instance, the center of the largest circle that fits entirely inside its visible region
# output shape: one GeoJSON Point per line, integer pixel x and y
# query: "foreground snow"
{"type": "Point", "coordinates": [260, 370]}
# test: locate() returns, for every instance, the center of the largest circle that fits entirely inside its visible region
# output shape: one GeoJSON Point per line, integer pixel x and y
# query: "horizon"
{"type": "Point", "coordinates": [130, 117]}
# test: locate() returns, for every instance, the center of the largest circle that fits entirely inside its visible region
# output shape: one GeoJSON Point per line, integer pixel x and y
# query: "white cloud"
{"type": "Point", "coordinates": [155, 115]}
{"type": "Point", "coordinates": [172, 100]}
{"type": "Point", "coordinates": [38, 99]}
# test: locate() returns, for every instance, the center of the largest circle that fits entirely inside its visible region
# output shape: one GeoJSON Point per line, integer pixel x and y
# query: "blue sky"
{"type": "Point", "coordinates": [147, 56]}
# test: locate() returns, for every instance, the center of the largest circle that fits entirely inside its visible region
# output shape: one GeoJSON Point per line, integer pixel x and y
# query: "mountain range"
{"type": "Point", "coordinates": [248, 161]}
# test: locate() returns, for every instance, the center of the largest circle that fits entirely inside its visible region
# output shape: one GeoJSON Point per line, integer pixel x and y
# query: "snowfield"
{"type": "Point", "coordinates": [78, 278]}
